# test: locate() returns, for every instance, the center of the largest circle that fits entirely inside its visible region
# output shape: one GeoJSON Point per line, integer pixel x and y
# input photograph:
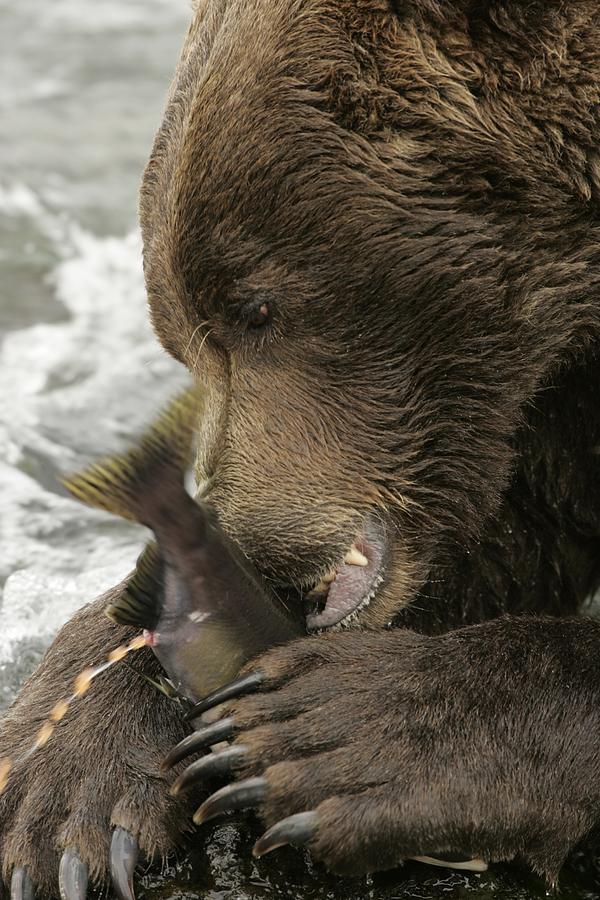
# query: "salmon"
{"type": "Point", "coordinates": [202, 603]}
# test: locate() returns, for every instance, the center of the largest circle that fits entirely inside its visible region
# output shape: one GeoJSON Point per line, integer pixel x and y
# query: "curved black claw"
{"type": "Point", "coordinates": [210, 765]}
{"type": "Point", "coordinates": [124, 852]}
{"type": "Point", "coordinates": [297, 830]}
{"type": "Point", "coordinates": [21, 885]}
{"type": "Point", "coordinates": [240, 795]}
{"type": "Point", "coordinates": [72, 876]}
{"type": "Point", "coordinates": [222, 730]}
{"type": "Point", "coordinates": [230, 691]}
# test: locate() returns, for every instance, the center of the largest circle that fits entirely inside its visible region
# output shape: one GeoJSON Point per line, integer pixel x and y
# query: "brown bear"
{"type": "Point", "coordinates": [372, 232]}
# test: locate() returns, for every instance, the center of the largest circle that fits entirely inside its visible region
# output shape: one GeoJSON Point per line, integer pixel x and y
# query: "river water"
{"type": "Point", "coordinates": [81, 89]}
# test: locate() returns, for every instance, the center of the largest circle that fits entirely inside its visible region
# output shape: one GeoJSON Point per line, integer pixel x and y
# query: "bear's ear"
{"type": "Point", "coordinates": [140, 603]}
{"type": "Point", "coordinates": [127, 483]}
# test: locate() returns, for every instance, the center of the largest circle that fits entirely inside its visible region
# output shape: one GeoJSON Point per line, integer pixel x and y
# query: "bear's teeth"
{"type": "Point", "coordinates": [355, 558]}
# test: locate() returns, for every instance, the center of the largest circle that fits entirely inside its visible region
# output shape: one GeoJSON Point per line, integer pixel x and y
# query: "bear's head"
{"type": "Point", "coordinates": [354, 224]}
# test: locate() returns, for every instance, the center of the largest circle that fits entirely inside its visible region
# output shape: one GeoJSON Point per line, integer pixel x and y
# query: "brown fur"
{"type": "Point", "coordinates": [415, 196]}
{"type": "Point", "coordinates": [413, 189]}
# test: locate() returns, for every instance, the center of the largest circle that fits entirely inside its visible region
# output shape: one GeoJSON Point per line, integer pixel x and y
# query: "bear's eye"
{"type": "Point", "coordinates": [259, 315]}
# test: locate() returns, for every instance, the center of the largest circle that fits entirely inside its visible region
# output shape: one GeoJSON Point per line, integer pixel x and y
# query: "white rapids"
{"type": "Point", "coordinates": [80, 370]}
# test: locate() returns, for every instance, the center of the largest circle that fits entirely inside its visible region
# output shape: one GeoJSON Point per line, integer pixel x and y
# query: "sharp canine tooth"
{"type": "Point", "coordinates": [355, 558]}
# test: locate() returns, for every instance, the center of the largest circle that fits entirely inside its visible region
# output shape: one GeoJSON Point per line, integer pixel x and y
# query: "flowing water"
{"type": "Point", "coordinates": [81, 88]}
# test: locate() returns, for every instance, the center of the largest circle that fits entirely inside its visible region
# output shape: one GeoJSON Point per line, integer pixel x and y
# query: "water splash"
{"type": "Point", "coordinates": [71, 390]}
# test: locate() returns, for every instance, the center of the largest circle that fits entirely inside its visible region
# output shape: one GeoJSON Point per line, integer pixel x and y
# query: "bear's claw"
{"type": "Point", "coordinates": [21, 885]}
{"type": "Point", "coordinates": [124, 853]}
{"type": "Point", "coordinates": [297, 830]}
{"type": "Point", "coordinates": [72, 876]}
{"type": "Point", "coordinates": [241, 795]}
{"type": "Point", "coordinates": [223, 730]}
{"type": "Point", "coordinates": [230, 691]}
{"type": "Point", "coordinates": [209, 766]}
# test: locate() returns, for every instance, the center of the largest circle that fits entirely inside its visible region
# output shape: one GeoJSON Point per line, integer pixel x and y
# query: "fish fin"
{"type": "Point", "coordinates": [140, 602]}
{"type": "Point", "coordinates": [125, 483]}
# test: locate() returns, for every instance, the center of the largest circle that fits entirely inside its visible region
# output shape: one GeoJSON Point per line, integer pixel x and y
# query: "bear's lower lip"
{"type": "Point", "coordinates": [353, 587]}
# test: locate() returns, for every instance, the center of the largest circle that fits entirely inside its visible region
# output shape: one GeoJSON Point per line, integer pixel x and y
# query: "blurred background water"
{"type": "Point", "coordinates": [81, 88]}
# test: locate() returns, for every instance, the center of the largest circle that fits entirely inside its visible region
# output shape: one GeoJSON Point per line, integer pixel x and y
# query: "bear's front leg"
{"type": "Point", "coordinates": [94, 796]}
{"type": "Point", "coordinates": [480, 745]}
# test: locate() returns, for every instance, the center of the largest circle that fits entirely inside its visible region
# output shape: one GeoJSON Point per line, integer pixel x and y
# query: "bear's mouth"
{"type": "Point", "coordinates": [346, 590]}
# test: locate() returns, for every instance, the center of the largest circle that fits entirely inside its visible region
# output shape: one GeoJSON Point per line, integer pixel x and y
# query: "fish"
{"type": "Point", "coordinates": [204, 607]}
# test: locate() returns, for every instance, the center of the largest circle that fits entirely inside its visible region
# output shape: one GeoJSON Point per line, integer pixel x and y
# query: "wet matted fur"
{"type": "Point", "coordinates": [411, 192]}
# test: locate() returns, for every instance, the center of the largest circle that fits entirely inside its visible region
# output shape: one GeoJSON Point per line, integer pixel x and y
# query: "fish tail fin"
{"type": "Point", "coordinates": [126, 484]}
